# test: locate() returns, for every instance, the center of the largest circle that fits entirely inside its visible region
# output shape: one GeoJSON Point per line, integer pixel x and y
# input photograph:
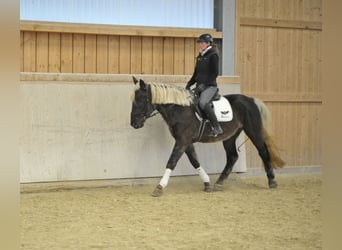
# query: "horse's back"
{"type": "Point", "coordinates": [240, 100]}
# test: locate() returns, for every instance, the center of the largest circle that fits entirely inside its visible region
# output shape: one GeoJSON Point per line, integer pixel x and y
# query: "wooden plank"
{"type": "Point", "coordinates": [125, 55]}
{"type": "Point", "coordinates": [42, 52]}
{"type": "Point", "coordinates": [102, 54]}
{"type": "Point", "coordinates": [136, 55]}
{"type": "Point", "coordinates": [29, 51]}
{"type": "Point", "coordinates": [90, 53]}
{"type": "Point", "coordinates": [296, 123]}
{"type": "Point", "coordinates": [179, 51]}
{"type": "Point", "coordinates": [259, 58]}
{"type": "Point", "coordinates": [65, 78]}
{"type": "Point", "coordinates": [299, 60]}
{"type": "Point", "coordinates": [318, 65]}
{"type": "Point", "coordinates": [312, 10]}
{"type": "Point", "coordinates": [147, 55]}
{"type": "Point", "coordinates": [289, 55]}
{"type": "Point", "coordinates": [278, 23]}
{"type": "Point", "coordinates": [250, 60]}
{"type": "Point", "coordinates": [158, 56]}
{"type": "Point", "coordinates": [54, 52]}
{"type": "Point", "coordinates": [306, 63]}
{"type": "Point", "coordinates": [21, 52]}
{"type": "Point", "coordinates": [113, 54]}
{"type": "Point", "coordinates": [168, 52]}
{"type": "Point", "coordinates": [292, 98]}
{"type": "Point", "coordinates": [78, 53]}
{"type": "Point", "coordinates": [126, 30]}
{"type": "Point", "coordinates": [66, 53]}
{"type": "Point", "coordinates": [316, 58]}
{"type": "Point", "coordinates": [189, 56]}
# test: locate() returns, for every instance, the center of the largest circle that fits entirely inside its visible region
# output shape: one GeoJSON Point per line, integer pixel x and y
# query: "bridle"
{"type": "Point", "coordinates": [150, 110]}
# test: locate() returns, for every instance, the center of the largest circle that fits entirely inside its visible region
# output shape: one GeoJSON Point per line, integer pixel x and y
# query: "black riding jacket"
{"type": "Point", "coordinates": [206, 70]}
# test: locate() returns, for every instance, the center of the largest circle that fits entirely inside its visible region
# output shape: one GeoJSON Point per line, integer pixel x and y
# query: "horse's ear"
{"type": "Point", "coordinates": [135, 80]}
{"type": "Point", "coordinates": [142, 84]}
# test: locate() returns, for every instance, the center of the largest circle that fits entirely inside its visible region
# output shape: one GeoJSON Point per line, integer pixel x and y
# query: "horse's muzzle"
{"type": "Point", "coordinates": [137, 125]}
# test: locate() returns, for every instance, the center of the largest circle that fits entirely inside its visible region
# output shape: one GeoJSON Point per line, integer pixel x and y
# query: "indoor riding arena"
{"type": "Point", "coordinates": [86, 175]}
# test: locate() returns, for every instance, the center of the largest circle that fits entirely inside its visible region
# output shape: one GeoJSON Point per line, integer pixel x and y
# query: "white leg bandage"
{"type": "Point", "coordinates": [165, 180]}
{"type": "Point", "coordinates": [204, 176]}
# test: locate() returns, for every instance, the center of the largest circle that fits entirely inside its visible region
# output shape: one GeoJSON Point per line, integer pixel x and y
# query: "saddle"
{"type": "Point", "coordinates": [221, 106]}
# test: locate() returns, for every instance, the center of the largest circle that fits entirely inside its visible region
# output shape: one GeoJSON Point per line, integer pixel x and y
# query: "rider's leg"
{"type": "Point", "coordinates": [205, 104]}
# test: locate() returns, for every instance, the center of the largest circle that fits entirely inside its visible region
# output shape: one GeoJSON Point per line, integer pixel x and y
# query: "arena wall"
{"type": "Point", "coordinates": [77, 127]}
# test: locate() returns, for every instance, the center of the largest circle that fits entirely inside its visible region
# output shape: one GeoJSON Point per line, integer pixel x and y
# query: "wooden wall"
{"type": "Point", "coordinates": [81, 48]}
{"type": "Point", "coordinates": [279, 60]}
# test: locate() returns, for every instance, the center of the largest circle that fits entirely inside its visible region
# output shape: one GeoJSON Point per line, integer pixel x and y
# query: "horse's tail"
{"type": "Point", "coordinates": [276, 161]}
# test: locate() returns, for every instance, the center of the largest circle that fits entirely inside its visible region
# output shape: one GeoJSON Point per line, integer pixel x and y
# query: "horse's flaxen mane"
{"type": "Point", "coordinates": [170, 94]}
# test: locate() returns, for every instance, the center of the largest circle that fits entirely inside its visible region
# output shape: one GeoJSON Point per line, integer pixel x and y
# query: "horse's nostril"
{"type": "Point", "coordinates": [135, 125]}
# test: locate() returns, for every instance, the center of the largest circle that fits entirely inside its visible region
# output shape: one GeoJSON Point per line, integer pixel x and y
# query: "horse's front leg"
{"type": "Point", "coordinates": [191, 153]}
{"type": "Point", "coordinates": [177, 152]}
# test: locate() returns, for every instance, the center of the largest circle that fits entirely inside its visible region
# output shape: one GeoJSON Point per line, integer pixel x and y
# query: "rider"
{"type": "Point", "coordinates": [205, 73]}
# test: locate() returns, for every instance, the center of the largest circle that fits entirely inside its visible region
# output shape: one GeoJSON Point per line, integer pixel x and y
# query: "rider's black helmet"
{"type": "Point", "coordinates": [207, 38]}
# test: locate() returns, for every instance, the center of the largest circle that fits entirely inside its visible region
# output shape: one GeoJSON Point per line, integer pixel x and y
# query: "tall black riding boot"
{"type": "Point", "coordinates": [217, 130]}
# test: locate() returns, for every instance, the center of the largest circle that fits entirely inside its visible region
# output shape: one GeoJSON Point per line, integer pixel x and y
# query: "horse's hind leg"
{"type": "Point", "coordinates": [191, 153]}
{"type": "Point", "coordinates": [259, 142]}
{"type": "Point", "coordinates": [232, 156]}
{"type": "Point", "coordinates": [265, 156]}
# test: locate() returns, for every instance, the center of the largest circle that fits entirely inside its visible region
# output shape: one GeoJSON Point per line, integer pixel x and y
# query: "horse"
{"type": "Point", "coordinates": [176, 106]}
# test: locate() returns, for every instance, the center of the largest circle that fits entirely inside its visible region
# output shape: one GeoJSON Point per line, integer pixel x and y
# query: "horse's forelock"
{"type": "Point", "coordinates": [136, 88]}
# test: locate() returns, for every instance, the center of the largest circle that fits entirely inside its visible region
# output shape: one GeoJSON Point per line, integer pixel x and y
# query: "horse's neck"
{"type": "Point", "coordinates": [166, 110]}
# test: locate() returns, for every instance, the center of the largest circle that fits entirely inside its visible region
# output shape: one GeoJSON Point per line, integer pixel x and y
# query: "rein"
{"type": "Point", "coordinates": [154, 113]}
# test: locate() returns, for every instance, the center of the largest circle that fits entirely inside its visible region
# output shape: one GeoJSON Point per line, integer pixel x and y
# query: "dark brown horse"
{"type": "Point", "coordinates": [177, 109]}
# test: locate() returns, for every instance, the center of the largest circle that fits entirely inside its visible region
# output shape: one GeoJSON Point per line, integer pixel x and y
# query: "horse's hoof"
{"type": "Point", "coordinates": [272, 184]}
{"type": "Point", "coordinates": [207, 187]}
{"type": "Point", "coordinates": [158, 191]}
{"type": "Point", "coordinates": [218, 187]}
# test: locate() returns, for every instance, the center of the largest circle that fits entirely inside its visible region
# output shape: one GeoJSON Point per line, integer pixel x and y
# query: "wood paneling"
{"type": "Point", "coordinates": [158, 55]}
{"type": "Point", "coordinates": [78, 53]}
{"type": "Point", "coordinates": [102, 54]}
{"type": "Point", "coordinates": [113, 54]}
{"type": "Point", "coordinates": [80, 48]}
{"type": "Point", "coordinates": [168, 53]}
{"type": "Point", "coordinates": [90, 52]}
{"type": "Point", "coordinates": [54, 52]}
{"type": "Point", "coordinates": [21, 51]}
{"type": "Point", "coordinates": [29, 51]}
{"type": "Point", "coordinates": [136, 55]}
{"type": "Point", "coordinates": [66, 52]}
{"type": "Point", "coordinates": [43, 52]}
{"type": "Point", "coordinates": [124, 30]}
{"type": "Point", "coordinates": [147, 55]}
{"type": "Point", "coordinates": [276, 23]}
{"type": "Point", "coordinates": [125, 55]}
{"type": "Point", "coordinates": [279, 61]}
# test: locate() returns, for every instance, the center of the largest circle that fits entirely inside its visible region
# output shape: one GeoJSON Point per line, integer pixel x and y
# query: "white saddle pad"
{"type": "Point", "coordinates": [223, 110]}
